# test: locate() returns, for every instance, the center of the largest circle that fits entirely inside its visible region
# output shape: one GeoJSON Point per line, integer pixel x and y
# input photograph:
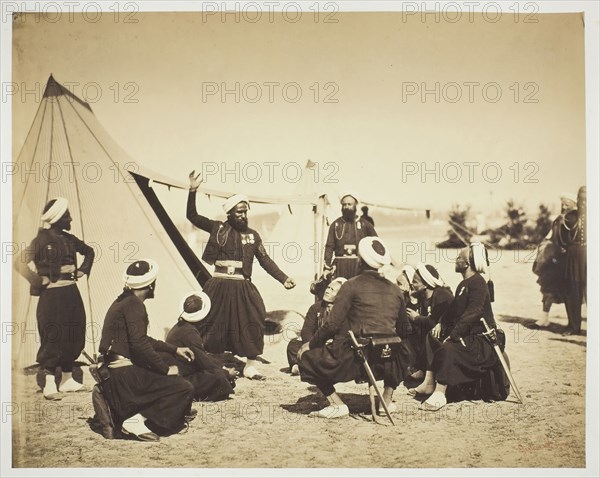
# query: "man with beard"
{"type": "Point", "coordinates": [465, 354]}
{"type": "Point", "coordinates": [549, 264]}
{"type": "Point", "coordinates": [317, 315]}
{"type": "Point", "coordinates": [369, 305]}
{"type": "Point", "coordinates": [143, 390]}
{"type": "Point", "coordinates": [236, 322]}
{"type": "Point", "coordinates": [344, 235]}
{"type": "Point", "coordinates": [60, 312]}
{"type": "Point", "coordinates": [431, 291]}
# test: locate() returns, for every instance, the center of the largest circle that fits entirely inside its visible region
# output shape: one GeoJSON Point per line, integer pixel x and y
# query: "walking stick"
{"type": "Point", "coordinates": [513, 384]}
{"type": "Point", "coordinates": [372, 381]}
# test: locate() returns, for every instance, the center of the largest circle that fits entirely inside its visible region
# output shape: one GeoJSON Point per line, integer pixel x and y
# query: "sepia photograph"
{"type": "Point", "coordinates": [316, 238]}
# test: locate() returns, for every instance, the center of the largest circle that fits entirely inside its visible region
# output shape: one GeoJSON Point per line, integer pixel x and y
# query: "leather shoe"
{"type": "Point", "coordinates": [148, 436]}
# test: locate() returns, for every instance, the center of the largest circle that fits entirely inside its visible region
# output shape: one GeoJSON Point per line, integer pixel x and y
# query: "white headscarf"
{"type": "Point", "coordinates": [233, 201]}
{"type": "Point", "coordinates": [53, 214]}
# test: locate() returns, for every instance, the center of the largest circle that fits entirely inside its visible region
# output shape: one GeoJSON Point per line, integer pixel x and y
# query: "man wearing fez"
{"type": "Point", "coordinates": [369, 305]}
{"type": "Point", "coordinates": [60, 311]}
{"type": "Point", "coordinates": [344, 235]}
{"type": "Point", "coordinates": [236, 322]}
{"type": "Point", "coordinates": [145, 392]}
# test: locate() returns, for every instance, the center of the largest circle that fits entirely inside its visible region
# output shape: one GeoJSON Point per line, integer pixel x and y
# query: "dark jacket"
{"type": "Point", "coordinates": [50, 250]}
{"type": "Point", "coordinates": [225, 243]}
{"type": "Point", "coordinates": [125, 332]}
{"type": "Point", "coordinates": [344, 236]}
{"type": "Point", "coordinates": [317, 314]}
{"type": "Point", "coordinates": [471, 303]}
{"type": "Point", "coordinates": [185, 334]}
{"type": "Point", "coordinates": [367, 304]}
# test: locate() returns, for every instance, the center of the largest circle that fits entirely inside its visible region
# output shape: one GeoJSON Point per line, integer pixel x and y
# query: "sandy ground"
{"type": "Point", "coordinates": [266, 424]}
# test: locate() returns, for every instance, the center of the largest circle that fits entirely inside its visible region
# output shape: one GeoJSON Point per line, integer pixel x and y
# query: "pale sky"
{"type": "Point", "coordinates": [377, 139]}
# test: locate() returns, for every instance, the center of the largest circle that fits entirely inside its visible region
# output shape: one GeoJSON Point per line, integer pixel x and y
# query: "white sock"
{"type": "Point", "coordinates": [66, 376]}
{"type": "Point", "coordinates": [251, 363]}
{"type": "Point", "coordinates": [136, 424]}
{"type": "Point", "coordinates": [50, 386]}
{"type": "Point", "coordinates": [437, 399]}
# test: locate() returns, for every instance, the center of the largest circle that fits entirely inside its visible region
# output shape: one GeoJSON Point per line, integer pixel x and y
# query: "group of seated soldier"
{"type": "Point", "coordinates": [441, 340]}
{"type": "Point", "coordinates": [444, 342]}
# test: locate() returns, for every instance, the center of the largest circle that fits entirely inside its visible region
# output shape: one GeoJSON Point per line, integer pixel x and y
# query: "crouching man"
{"type": "Point", "coordinates": [369, 305]}
{"type": "Point", "coordinates": [145, 392]}
{"type": "Point", "coordinates": [212, 382]}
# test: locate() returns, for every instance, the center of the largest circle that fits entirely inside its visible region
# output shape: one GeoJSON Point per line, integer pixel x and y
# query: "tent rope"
{"type": "Point", "coordinates": [80, 210]}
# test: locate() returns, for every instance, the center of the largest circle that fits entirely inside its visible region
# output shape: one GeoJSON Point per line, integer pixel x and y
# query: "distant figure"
{"type": "Point", "coordinates": [549, 264]}
{"type": "Point", "coordinates": [317, 315]}
{"type": "Point", "coordinates": [236, 322]}
{"type": "Point", "coordinates": [365, 215]}
{"type": "Point", "coordinates": [60, 312]}
{"type": "Point", "coordinates": [342, 241]}
{"type": "Point", "coordinates": [574, 229]}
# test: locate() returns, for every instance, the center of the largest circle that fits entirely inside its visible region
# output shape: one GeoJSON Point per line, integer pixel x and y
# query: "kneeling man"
{"type": "Point", "coordinates": [144, 390]}
{"type": "Point", "coordinates": [369, 305]}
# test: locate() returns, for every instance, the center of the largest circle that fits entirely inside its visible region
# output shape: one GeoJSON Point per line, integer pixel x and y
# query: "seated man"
{"type": "Point", "coordinates": [404, 281]}
{"type": "Point", "coordinates": [431, 291]}
{"type": "Point", "coordinates": [317, 314]}
{"type": "Point", "coordinates": [368, 304]}
{"type": "Point", "coordinates": [465, 353]}
{"type": "Point", "coordinates": [142, 386]}
{"type": "Point", "coordinates": [212, 382]}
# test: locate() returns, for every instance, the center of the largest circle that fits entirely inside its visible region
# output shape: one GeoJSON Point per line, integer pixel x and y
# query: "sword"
{"type": "Point", "coordinates": [372, 381]}
{"type": "Point", "coordinates": [513, 384]}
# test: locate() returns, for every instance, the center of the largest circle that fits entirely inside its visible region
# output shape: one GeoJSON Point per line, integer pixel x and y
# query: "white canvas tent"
{"type": "Point", "coordinates": [68, 153]}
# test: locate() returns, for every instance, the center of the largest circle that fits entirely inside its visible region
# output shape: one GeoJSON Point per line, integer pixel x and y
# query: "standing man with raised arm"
{"type": "Point", "coordinates": [236, 321]}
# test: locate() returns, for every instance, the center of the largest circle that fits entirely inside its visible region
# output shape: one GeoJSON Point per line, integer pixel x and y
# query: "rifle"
{"type": "Point", "coordinates": [372, 382]}
{"type": "Point", "coordinates": [491, 334]}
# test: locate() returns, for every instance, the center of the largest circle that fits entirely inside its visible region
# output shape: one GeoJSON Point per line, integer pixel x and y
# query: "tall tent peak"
{"type": "Point", "coordinates": [54, 90]}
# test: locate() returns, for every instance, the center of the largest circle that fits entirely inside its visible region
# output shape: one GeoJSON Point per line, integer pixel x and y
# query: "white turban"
{"type": "Point", "coordinates": [479, 255]}
{"type": "Point", "coordinates": [372, 250]}
{"type": "Point", "coordinates": [192, 300]}
{"type": "Point", "coordinates": [53, 214]}
{"type": "Point", "coordinates": [569, 200]}
{"type": "Point", "coordinates": [140, 274]}
{"type": "Point", "coordinates": [352, 194]}
{"type": "Point", "coordinates": [233, 201]}
{"type": "Point", "coordinates": [428, 277]}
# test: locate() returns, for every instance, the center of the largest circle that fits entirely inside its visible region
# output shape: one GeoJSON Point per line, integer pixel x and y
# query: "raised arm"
{"type": "Point", "coordinates": [192, 215]}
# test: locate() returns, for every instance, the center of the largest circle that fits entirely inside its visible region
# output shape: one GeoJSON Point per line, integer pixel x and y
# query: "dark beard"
{"type": "Point", "coordinates": [240, 225]}
{"type": "Point", "coordinates": [348, 214]}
